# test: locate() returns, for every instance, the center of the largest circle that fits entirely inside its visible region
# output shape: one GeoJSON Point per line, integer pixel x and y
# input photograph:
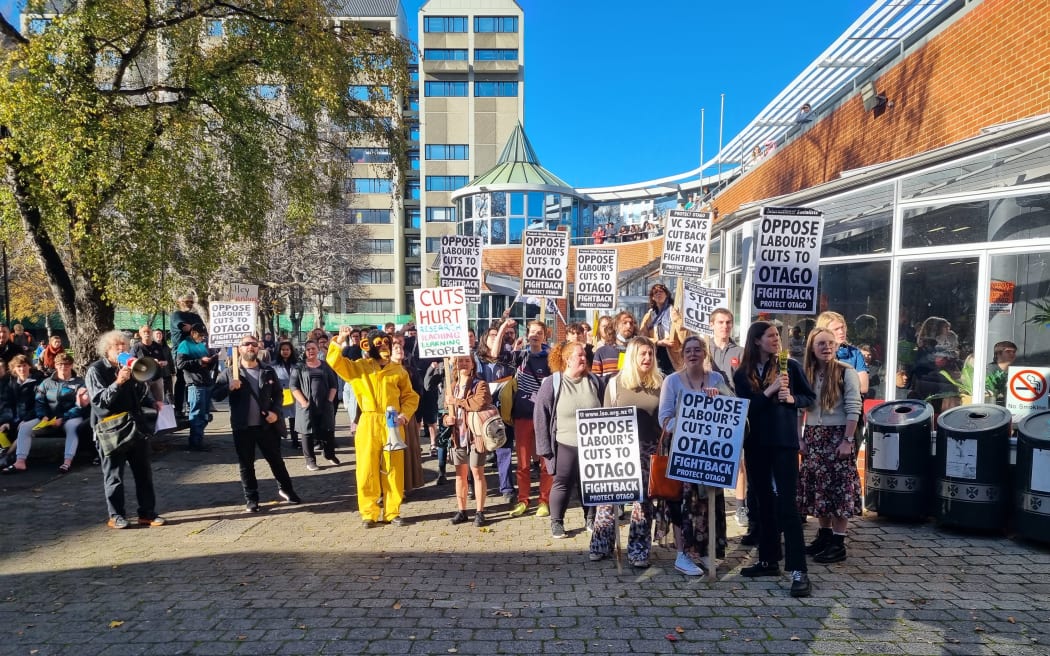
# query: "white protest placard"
{"type": "Point", "coordinates": [685, 244]}
{"type": "Point", "coordinates": [441, 322]}
{"type": "Point", "coordinates": [787, 260]}
{"type": "Point", "coordinates": [1026, 390]}
{"type": "Point", "coordinates": [229, 321]}
{"type": "Point", "coordinates": [610, 458]}
{"type": "Point", "coordinates": [698, 303]}
{"type": "Point", "coordinates": [708, 439]}
{"type": "Point", "coordinates": [595, 284]}
{"type": "Point", "coordinates": [545, 263]}
{"type": "Point", "coordinates": [461, 264]}
{"type": "Point", "coordinates": [243, 292]}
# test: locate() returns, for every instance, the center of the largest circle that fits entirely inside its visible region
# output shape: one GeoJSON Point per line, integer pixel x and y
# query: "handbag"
{"type": "Point", "coordinates": [116, 433]}
{"type": "Point", "coordinates": [661, 487]}
{"type": "Point", "coordinates": [487, 424]}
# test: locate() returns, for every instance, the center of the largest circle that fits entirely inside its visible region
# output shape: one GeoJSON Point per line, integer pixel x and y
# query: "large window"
{"type": "Point", "coordinates": [446, 182]}
{"type": "Point", "coordinates": [441, 215]}
{"type": "Point", "coordinates": [434, 89]}
{"type": "Point", "coordinates": [373, 306]}
{"type": "Point", "coordinates": [444, 23]}
{"type": "Point", "coordinates": [376, 276]}
{"type": "Point", "coordinates": [447, 151]}
{"type": "Point", "coordinates": [1017, 319]}
{"type": "Point", "coordinates": [369, 155]}
{"type": "Point", "coordinates": [364, 92]}
{"type": "Point", "coordinates": [445, 54]}
{"type": "Point", "coordinates": [495, 54]}
{"type": "Point", "coordinates": [413, 275]}
{"type": "Point", "coordinates": [412, 247]}
{"type": "Point", "coordinates": [495, 23]}
{"type": "Point", "coordinates": [412, 190]}
{"type": "Point", "coordinates": [354, 215]}
{"type": "Point", "coordinates": [379, 246]}
{"type": "Point", "coordinates": [412, 218]}
{"type": "Point", "coordinates": [369, 185]}
{"type": "Point", "coordinates": [433, 244]}
{"type": "Point", "coordinates": [495, 89]}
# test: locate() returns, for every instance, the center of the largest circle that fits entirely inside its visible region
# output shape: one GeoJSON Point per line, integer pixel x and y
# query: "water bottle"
{"type": "Point", "coordinates": [393, 436]}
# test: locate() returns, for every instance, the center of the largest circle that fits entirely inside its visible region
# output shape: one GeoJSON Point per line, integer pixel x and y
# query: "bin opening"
{"type": "Point", "coordinates": [902, 409]}
{"type": "Point", "coordinates": [977, 415]}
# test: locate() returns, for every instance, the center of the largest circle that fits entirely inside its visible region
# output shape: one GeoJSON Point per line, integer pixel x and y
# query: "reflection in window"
{"type": "Point", "coordinates": [517, 226]}
{"type": "Point", "coordinates": [1018, 164]}
{"type": "Point", "coordinates": [499, 204]}
{"type": "Point", "coordinates": [858, 223]}
{"type": "Point", "coordinates": [1018, 317]}
{"type": "Point", "coordinates": [499, 231]}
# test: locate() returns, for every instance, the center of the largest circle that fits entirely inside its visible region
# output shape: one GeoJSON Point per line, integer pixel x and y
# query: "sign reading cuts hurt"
{"type": "Point", "coordinates": [595, 284]}
{"type": "Point", "coordinates": [698, 304]}
{"type": "Point", "coordinates": [708, 438]}
{"type": "Point", "coordinates": [545, 263]}
{"type": "Point", "coordinates": [461, 264]}
{"type": "Point", "coordinates": [229, 321]}
{"type": "Point", "coordinates": [441, 322]}
{"type": "Point", "coordinates": [685, 244]}
{"type": "Point", "coordinates": [610, 469]}
{"type": "Point", "coordinates": [787, 260]}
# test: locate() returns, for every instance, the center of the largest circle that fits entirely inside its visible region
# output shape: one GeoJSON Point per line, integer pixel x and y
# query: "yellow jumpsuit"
{"type": "Point", "coordinates": [377, 386]}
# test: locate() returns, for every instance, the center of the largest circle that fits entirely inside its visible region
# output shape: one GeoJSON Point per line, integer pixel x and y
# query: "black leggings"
{"type": "Point", "coordinates": [776, 512]}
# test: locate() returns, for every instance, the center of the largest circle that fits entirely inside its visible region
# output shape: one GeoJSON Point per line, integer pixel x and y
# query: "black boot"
{"type": "Point", "coordinates": [822, 542]}
{"type": "Point", "coordinates": [834, 553]}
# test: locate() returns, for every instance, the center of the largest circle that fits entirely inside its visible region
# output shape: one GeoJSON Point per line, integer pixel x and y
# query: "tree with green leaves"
{"type": "Point", "coordinates": [141, 140]}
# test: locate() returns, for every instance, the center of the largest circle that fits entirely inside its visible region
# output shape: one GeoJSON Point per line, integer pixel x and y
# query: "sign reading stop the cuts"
{"type": "Point", "coordinates": [708, 438]}
{"type": "Point", "coordinates": [595, 284]}
{"type": "Point", "coordinates": [610, 470]}
{"type": "Point", "coordinates": [545, 263]}
{"type": "Point", "coordinates": [461, 264]}
{"type": "Point", "coordinates": [441, 322]}
{"type": "Point", "coordinates": [685, 244]}
{"type": "Point", "coordinates": [698, 304]}
{"type": "Point", "coordinates": [229, 321]}
{"type": "Point", "coordinates": [787, 260]}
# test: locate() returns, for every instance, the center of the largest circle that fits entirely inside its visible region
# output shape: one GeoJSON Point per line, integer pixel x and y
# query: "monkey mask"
{"type": "Point", "coordinates": [377, 345]}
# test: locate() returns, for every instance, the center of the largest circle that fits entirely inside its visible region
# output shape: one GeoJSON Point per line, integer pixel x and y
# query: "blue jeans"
{"type": "Point", "coordinates": [199, 397]}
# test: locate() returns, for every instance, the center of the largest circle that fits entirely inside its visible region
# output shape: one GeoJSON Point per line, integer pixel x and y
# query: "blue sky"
{"type": "Point", "coordinates": [611, 99]}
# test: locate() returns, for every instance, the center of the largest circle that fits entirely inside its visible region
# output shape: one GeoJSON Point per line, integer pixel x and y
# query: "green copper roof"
{"type": "Point", "coordinates": [518, 164]}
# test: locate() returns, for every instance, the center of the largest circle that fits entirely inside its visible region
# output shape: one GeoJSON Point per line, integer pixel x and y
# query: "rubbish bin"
{"type": "Point", "coordinates": [898, 459]}
{"type": "Point", "coordinates": [972, 464]}
{"type": "Point", "coordinates": [1032, 477]}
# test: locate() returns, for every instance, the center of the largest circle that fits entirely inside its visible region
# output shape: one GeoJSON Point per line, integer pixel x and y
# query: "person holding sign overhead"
{"type": "Point", "coordinates": [829, 486]}
{"type": "Point", "coordinates": [777, 388]}
{"type": "Point", "coordinates": [688, 517]}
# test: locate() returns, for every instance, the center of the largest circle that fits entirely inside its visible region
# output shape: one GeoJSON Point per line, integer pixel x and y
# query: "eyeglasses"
{"type": "Point", "coordinates": [255, 344]}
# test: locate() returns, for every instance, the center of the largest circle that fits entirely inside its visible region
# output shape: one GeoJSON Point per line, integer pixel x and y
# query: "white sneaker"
{"type": "Point", "coordinates": [685, 565]}
{"type": "Point", "coordinates": [742, 517]}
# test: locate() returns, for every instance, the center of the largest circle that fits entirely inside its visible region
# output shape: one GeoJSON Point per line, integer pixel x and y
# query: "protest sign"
{"type": "Point", "coordinates": [243, 292]}
{"type": "Point", "coordinates": [787, 260]}
{"type": "Point", "coordinates": [229, 321]}
{"type": "Point", "coordinates": [545, 265]}
{"type": "Point", "coordinates": [610, 469]}
{"type": "Point", "coordinates": [698, 303]}
{"type": "Point", "coordinates": [685, 244]}
{"type": "Point", "coordinates": [441, 322]}
{"type": "Point", "coordinates": [461, 264]}
{"type": "Point", "coordinates": [595, 284]}
{"type": "Point", "coordinates": [708, 438]}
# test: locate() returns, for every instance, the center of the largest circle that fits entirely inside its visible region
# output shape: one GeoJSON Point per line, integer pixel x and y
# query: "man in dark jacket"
{"type": "Point", "coordinates": [112, 391]}
{"type": "Point", "coordinates": [255, 409]}
{"type": "Point", "coordinates": [8, 348]}
{"type": "Point", "coordinates": [196, 364]}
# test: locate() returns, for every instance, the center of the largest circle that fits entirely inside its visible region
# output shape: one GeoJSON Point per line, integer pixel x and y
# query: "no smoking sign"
{"type": "Point", "coordinates": [1026, 390]}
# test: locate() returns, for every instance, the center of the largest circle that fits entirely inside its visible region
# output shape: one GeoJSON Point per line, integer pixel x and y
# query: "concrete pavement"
{"type": "Point", "coordinates": [309, 580]}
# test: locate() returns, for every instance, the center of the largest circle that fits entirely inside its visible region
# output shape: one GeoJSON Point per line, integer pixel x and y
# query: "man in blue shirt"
{"type": "Point", "coordinates": [847, 353]}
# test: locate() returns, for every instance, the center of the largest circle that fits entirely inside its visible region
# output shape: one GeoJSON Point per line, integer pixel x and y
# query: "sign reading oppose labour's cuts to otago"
{"type": "Point", "coordinates": [708, 438]}
{"type": "Point", "coordinates": [461, 264]}
{"type": "Point", "coordinates": [545, 263]}
{"type": "Point", "coordinates": [595, 284]}
{"type": "Point", "coordinates": [787, 260]}
{"type": "Point", "coordinates": [698, 304]}
{"type": "Point", "coordinates": [685, 244]}
{"type": "Point", "coordinates": [441, 322]}
{"type": "Point", "coordinates": [610, 470]}
{"type": "Point", "coordinates": [229, 321]}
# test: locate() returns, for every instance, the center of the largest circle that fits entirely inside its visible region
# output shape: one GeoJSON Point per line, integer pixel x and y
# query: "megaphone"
{"type": "Point", "coordinates": [142, 369]}
{"type": "Point", "coordinates": [393, 436]}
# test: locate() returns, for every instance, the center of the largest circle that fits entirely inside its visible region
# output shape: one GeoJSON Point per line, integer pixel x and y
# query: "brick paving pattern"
{"type": "Point", "coordinates": [309, 580]}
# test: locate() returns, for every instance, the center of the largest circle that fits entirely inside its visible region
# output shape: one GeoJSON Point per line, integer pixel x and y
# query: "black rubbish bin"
{"type": "Point", "coordinates": [972, 464]}
{"type": "Point", "coordinates": [1032, 477]}
{"type": "Point", "coordinates": [898, 459]}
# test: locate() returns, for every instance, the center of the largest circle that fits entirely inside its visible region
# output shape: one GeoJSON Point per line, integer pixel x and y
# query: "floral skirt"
{"type": "Point", "coordinates": [828, 486]}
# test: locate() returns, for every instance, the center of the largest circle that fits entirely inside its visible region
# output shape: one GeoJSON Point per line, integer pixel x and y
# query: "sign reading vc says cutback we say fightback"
{"type": "Point", "coordinates": [545, 263]}
{"type": "Point", "coordinates": [685, 244]}
{"type": "Point", "coordinates": [461, 264]}
{"type": "Point", "coordinates": [708, 438]}
{"type": "Point", "coordinates": [787, 260]}
{"type": "Point", "coordinates": [441, 322]}
{"type": "Point", "coordinates": [595, 284]}
{"type": "Point", "coordinates": [610, 471]}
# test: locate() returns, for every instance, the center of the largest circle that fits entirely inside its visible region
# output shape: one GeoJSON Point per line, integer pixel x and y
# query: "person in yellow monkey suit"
{"type": "Point", "coordinates": [378, 384]}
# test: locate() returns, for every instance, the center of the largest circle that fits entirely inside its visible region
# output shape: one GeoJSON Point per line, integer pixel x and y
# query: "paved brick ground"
{"type": "Point", "coordinates": [308, 580]}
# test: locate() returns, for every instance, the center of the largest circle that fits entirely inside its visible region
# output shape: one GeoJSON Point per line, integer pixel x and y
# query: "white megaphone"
{"type": "Point", "coordinates": [142, 369]}
{"type": "Point", "coordinates": [393, 436]}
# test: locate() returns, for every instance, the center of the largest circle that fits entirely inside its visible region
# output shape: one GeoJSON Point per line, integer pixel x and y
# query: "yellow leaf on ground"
{"type": "Point", "coordinates": [115, 623]}
{"type": "Point", "coordinates": [397, 605]}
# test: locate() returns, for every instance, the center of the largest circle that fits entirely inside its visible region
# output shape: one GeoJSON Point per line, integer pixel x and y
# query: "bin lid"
{"type": "Point", "coordinates": [976, 418]}
{"type": "Point", "coordinates": [900, 413]}
{"type": "Point", "coordinates": [1036, 428]}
